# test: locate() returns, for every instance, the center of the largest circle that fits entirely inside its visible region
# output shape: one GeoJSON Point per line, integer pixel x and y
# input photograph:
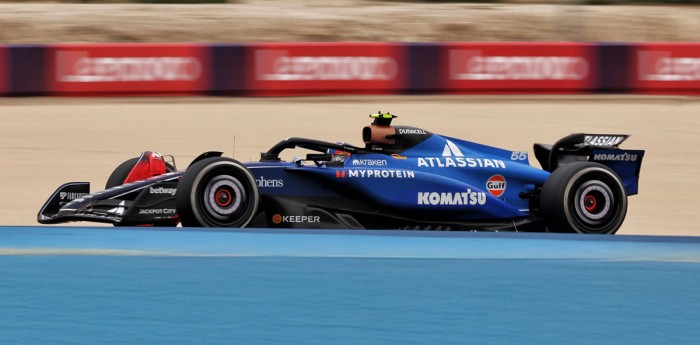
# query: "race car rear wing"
{"type": "Point", "coordinates": [599, 148]}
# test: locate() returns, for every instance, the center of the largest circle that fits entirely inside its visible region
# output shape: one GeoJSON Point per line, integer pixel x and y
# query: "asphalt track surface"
{"type": "Point", "coordinates": [45, 142]}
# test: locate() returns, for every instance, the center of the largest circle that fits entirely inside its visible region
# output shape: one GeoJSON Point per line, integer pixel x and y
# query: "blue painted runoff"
{"type": "Point", "coordinates": [100, 285]}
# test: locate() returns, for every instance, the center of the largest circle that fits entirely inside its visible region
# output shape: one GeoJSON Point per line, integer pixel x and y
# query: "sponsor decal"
{"type": "Point", "coordinates": [460, 162]}
{"type": "Point", "coordinates": [496, 185]}
{"type": "Point", "coordinates": [278, 218]}
{"type": "Point", "coordinates": [162, 190]}
{"type": "Point", "coordinates": [369, 173]}
{"type": "Point", "coordinates": [451, 150]}
{"type": "Point", "coordinates": [157, 211]}
{"type": "Point", "coordinates": [615, 157]}
{"type": "Point", "coordinates": [80, 67]}
{"type": "Point", "coordinates": [661, 66]}
{"type": "Point", "coordinates": [446, 198]}
{"type": "Point", "coordinates": [411, 131]}
{"type": "Point", "coordinates": [471, 65]}
{"type": "Point", "coordinates": [119, 210]}
{"type": "Point", "coordinates": [278, 65]}
{"type": "Point", "coordinates": [71, 195]}
{"type": "Point", "coordinates": [603, 140]}
{"type": "Point", "coordinates": [269, 183]}
{"type": "Point", "coordinates": [369, 162]}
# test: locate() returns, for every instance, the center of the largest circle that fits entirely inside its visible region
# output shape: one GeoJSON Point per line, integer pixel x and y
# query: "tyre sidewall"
{"type": "Point", "coordinates": [558, 198]}
{"type": "Point", "coordinates": [191, 191]}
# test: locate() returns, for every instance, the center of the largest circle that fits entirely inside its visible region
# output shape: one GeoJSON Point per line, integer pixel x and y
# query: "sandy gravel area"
{"type": "Point", "coordinates": [343, 20]}
{"type": "Point", "coordinates": [45, 142]}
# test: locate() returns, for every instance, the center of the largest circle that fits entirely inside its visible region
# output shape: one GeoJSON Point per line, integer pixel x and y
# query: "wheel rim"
{"type": "Point", "coordinates": [593, 203]}
{"type": "Point", "coordinates": [224, 197]}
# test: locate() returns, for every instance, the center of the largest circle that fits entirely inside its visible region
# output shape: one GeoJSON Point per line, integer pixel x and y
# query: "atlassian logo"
{"type": "Point", "coordinates": [161, 190]}
{"type": "Point", "coordinates": [364, 173]}
{"type": "Point", "coordinates": [372, 162]}
{"type": "Point", "coordinates": [463, 198]}
{"type": "Point", "coordinates": [269, 183]}
{"type": "Point", "coordinates": [603, 140]}
{"type": "Point", "coordinates": [451, 150]}
{"type": "Point", "coordinates": [78, 66]}
{"type": "Point", "coordinates": [460, 162]}
{"type": "Point", "coordinates": [278, 65]}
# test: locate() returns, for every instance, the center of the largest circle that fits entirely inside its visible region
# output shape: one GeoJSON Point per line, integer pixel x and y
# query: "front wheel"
{"type": "Point", "coordinates": [217, 192]}
{"type": "Point", "coordinates": [583, 197]}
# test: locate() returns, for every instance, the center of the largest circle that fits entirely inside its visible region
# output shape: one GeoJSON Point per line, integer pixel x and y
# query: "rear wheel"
{"type": "Point", "coordinates": [583, 197]}
{"type": "Point", "coordinates": [217, 192]}
{"type": "Point", "coordinates": [120, 174]}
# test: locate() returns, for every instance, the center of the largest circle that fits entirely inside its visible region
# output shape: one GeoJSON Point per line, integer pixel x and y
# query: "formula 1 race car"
{"type": "Point", "coordinates": [403, 178]}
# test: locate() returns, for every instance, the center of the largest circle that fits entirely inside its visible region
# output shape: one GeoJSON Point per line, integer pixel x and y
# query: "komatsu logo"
{"type": "Point", "coordinates": [446, 198]}
{"type": "Point", "coordinates": [615, 157]}
{"type": "Point", "coordinates": [161, 190]}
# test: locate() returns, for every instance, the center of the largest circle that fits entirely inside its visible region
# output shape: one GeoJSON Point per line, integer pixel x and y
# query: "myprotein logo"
{"type": "Point", "coordinates": [661, 66]}
{"type": "Point", "coordinates": [472, 65]}
{"type": "Point", "coordinates": [375, 173]}
{"type": "Point", "coordinates": [279, 65]}
{"type": "Point", "coordinates": [463, 198]}
{"type": "Point", "coordinates": [80, 67]}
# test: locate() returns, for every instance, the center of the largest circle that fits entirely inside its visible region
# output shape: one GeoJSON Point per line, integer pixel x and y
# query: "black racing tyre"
{"type": "Point", "coordinates": [583, 197]}
{"type": "Point", "coordinates": [217, 192]}
{"type": "Point", "coordinates": [120, 174]}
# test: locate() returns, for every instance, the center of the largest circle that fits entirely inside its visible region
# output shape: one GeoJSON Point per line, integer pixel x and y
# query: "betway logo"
{"type": "Point", "coordinates": [78, 66]}
{"type": "Point", "coordinates": [470, 65]}
{"type": "Point", "coordinates": [660, 66]}
{"type": "Point", "coordinates": [277, 65]}
{"type": "Point", "coordinates": [161, 190]}
{"type": "Point", "coordinates": [463, 198]}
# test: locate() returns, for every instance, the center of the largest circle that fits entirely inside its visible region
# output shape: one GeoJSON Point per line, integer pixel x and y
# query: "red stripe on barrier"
{"type": "Point", "coordinates": [665, 68]}
{"type": "Point", "coordinates": [518, 67]}
{"type": "Point", "coordinates": [4, 70]}
{"type": "Point", "coordinates": [128, 68]}
{"type": "Point", "coordinates": [326, 68]}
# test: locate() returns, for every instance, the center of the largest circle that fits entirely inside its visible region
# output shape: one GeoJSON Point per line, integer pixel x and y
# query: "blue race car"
{"type": "Point", "coordinates": [403, 178]}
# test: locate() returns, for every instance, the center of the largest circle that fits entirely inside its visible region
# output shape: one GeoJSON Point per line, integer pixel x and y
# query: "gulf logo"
{"type": "Point", "coordinates": [496, 185]}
